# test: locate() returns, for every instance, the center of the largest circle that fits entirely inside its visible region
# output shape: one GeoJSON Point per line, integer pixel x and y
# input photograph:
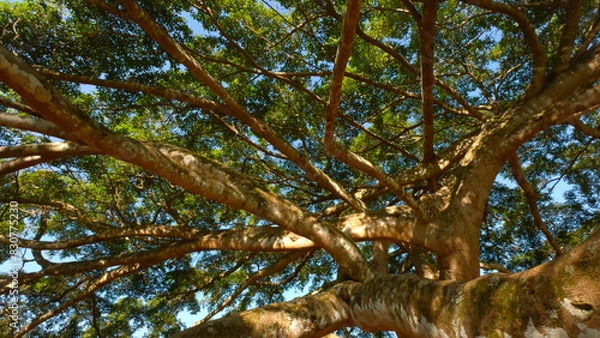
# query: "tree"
{"type": "Point", "coordinates": [375, 157]}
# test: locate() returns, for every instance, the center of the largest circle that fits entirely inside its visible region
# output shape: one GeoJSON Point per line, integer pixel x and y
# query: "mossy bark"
{"type": "Point", "coordinates": [558, 299]}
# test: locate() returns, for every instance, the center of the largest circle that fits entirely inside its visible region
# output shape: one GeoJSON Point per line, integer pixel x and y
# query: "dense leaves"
{"type": "Point", "coordinates": [275, 58]}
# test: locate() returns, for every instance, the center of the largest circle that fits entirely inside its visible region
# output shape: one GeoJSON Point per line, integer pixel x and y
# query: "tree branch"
{"type": "Point", "coordinates": [412, 10]}
{"type": "Point", "coordinates": [537, 52]}
{"type": "Point", "coordinates": [584, 128]}
{"type": "Point", "coordinates": [268, 271]}
{"type": "Point", "coordinates": [409, 305]}
{"type": "Point", "coordinates": [35, 125]}
{"type": "Point", "coordinates": [104, 279]}
{"type": "Point", "coordinates": [23, 163]}
{"type": "Point", "coordinates": [261, 70]}
{"type": "Point", "coordinates": [589, 36]}
{"type": "Point", "coordinates": [17, 106]}
{"type": "Point", "coordinates": [131, 86]}
{"type": "Point", "coordinates": [191, 171]}
{"type": "Point", "coordinates": [451, 91]}
{"type": "Point", "coordinates": [569, 34]}
{"type": "Point", "coordinates": [53, 149]}
{"type": "Point", "coordinates": [531, 196]}
{"type": "Point", "coordinates": [309, 316]}
{"type": "Point", "coordinates": [158, 34]}
{"type": "Point", "coordinates": [427, 34]}
{"type": "Point", "coordinates": [350, 24]}
{"type": "Point", "coordinates": [391, 223]}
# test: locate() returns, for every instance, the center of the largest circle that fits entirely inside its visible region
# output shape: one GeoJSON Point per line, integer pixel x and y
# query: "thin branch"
{"type": "Point", "coordinates": [37, 254]}
{"type": "Point", "coordinates": [131, 86]}
{"type": "Point", "coordinates": [261, 70]}
{"type": "Point", "coordinates": [158, 34]}
{"type": "Point", "coordinates": [493, 266]}
{"type": "Point", "coordinates": [422, 172]}
{"type": "Point", "coordinates": [548, 3]}
{"type": "Point", "coordinates": [350, 24]}
{"type": "Point", "coordinates": [571, 164]}
{"type": "Point", "coordinates": [589, 36]}
{"type": "Point", "coordinates": [104, 279]}
{"type": "Point", "coordinates": [214, 279]}
{"type": "Point", "coordinates": [531, 196]}
{"type": "Point", "coordinates": [209, 106]}
{"type": "Point", "coordinates": [17, 106]}
{"type": "Point", "coordinates": [537, 52]}
{"type": "Point", "coordinates": [246, 139]}
{"type": "Point", "coordinates": [412, 10]}
{"type": "Point", "coordinates": [271, 270]}
{"type": "Point", "coordinates": [156, 256]}
{"type": "Point", "coordinates": [584, 128]}
{"type": "Point", "coordinates": [378, 137]}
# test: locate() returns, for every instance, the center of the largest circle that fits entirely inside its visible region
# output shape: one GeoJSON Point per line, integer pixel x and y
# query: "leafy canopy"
{"type": "Point", "coordinates": [275, 58]}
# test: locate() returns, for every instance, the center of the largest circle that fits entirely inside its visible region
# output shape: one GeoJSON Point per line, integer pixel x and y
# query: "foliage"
{"type": "Point", "coordinates": [275, 58]}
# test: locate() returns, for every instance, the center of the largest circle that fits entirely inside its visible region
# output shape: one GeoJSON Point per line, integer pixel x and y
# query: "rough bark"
{"type": "Point", "coordinates": [560, 298]}
{"type": "Point", "coordinates": [311, 316]}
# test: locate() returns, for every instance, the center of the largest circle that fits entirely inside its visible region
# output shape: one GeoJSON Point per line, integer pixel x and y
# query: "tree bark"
{"type": "Point", "coordinates": [560, 298]}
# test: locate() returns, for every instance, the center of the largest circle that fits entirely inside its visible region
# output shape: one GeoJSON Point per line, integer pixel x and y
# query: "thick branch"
{"type": "Point", "coordinates": [545, 299]}
{"type": "Point", "coordinates": [567, 96]}
{"type": "Point", "coordinates": [427, 34]}
{"type": "Point", "coordinates": [35, 125]}
{"type": "Point", "coordinates": [23, 163]}
{"type": "Point", "coordinates": [344, 51]}
{"type": "Point", "coordinates": [156, 255]}
{"type": "Point", "coordinates": [350, 24]}
{"type": "Point", "coordinates": [54, 149]}
{"type": "Point", "coordinates": [391, 223]}
{"type": "Point", "coordinates": [569, 34]}
{"type": "Point", "coordinates": [310, 316]}
{"type": "Point", "coordinates": [198, 175]}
